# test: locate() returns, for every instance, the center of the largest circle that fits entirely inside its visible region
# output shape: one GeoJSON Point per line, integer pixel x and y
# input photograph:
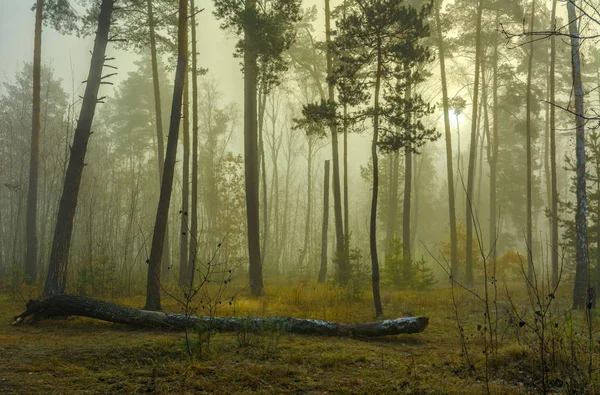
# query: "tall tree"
{"type": "Point", "coordinates": [554, 205]}
{"type": "Point", "coordinates": [448, 137]}
{"type": "Point", "coordinates": [162, 212]}
{"type": "Point", "coordinates": [267, 32]}
{"type": "Point", "coordinates": [194, 216]}
{"type": "Point", "coordinates": [342, 254]}
{"type": "Point", "coordinates": [185, 184]}
{"type": "Point", "coordinates": [472, 150]}
{"type": "Point", "coordinates": [32, 192]}
{"type": "Point", "coordinates": [59, 255]}
{"type": "Point", "coordinates": [528, 110]}
{"type": "Point", "coordinates": [582, 262]}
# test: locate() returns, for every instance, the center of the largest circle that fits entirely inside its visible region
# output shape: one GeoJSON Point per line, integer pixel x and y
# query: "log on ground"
{"type": "Point", "coordinates": [82, 306]}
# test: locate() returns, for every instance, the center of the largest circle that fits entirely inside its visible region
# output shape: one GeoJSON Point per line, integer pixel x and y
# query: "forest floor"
{"type": "Point", "coordinates": [78, 355]}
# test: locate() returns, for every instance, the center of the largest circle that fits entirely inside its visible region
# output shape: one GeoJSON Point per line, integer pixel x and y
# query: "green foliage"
{"type": "Point", "coordinates": [269, 25]}
{"type": "Point", "coordinates": [393, 273]}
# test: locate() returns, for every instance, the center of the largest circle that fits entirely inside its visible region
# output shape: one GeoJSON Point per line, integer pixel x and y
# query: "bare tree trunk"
{"type": "Point", "coordinates": [162, 212]}
{"type": "Point", "coordinates": [263, 173]}
{"type": "Point", "coordinates": [194, 217]}
{"type": "Point", "coordinates": [554, 246]}
{"type": "Point", "coordinates": [448, 137]}
{"type": "Point", "coordinates": [75, 305]}
{"type": "Point", "coordinates": [342, 256]}
{"type": "Point", "coordinates": [373, 222]}
{"type": "Point", "coordinates": [582, 264]}
{"type": "Point", "coordinates": [472, 152]}
{"type": "Point", "coordinates": [406, 253]}
{"type": "Point", "coordinates": [529, 159]}
{"type": "Point", "coordinates": [346, 198]}
{"type": "Point", "coordinates": [251, 156]}
{"type": "Point", "coordinates": [59, 256]}
{"type": "Point", "coordinates": [493, 150]}
{"type": "Point", "coordinates": [185, 185]}
{"type": "Point", "coordinates": [32, 192]}
{"type": "Point", "coordinates": [307, 222]}
{"type": "Point", "coordinates": [324, 229]}
{"type": "Point", "coordinates": [166, 257]}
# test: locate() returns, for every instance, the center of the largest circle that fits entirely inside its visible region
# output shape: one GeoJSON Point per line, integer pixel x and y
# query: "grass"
{"type": "Point", "coordinates": [79, 355]}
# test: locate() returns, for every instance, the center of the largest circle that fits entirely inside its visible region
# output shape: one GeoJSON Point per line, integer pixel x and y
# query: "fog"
{"type": "Point", "coordinates": [413, 152]}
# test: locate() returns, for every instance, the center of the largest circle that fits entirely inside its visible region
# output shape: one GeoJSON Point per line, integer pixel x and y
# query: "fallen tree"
{"type": "Point", "coordinates": [82, 306]}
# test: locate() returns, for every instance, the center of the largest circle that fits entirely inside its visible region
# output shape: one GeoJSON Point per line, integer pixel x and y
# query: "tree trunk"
{"type": "Point", "coordinates": [554, 246]}
{"type": "Point", "coordinates": [406, 255]}
{"type": "Point", "coordinates": [342, 258]}
{"type": "Point", "coordinates": [472, 152]}
{"type": "Point", "coordinates": [166, 257]}
{"type": "Point", "coordinates": [185, 183]}
{"type": "Point", "coordinates": [373, 222]}
{"type": "Point", "coordinates": [194, 216]}
{"type": "Point", "coordinates": [162, 212]}
{"type": "Point", "coordinates": [581, 270]}
{"type": "Point", "coordinates": [308, 204]}
{"type": "Point", "coordinates": [59, 256]}
{"type": "Point", "coordinates": [32, 192]}
{"type": "Point", "coordinates": [346, 198]}
{"type": "Point", "coordinates": [529, 159]}
{"type": "Point", "coordinates": [448, 136]}
{"type": "Point", "coordinates": [323, 269]}
{"type": "Point", "coordinates": [263, 174]}
{"type": "Point", "coordinates": [251, 156]}
{"type": "Point", "coordinates": [493, 150]}
{"type": "Point", "coordinates": [82, 306]}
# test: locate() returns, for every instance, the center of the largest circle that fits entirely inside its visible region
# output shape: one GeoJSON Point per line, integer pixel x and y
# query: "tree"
{"type": "Point", "coordinates": [528, 111]}
{"type": "Point", "coordinates": [582, 262]}
{"type": "Point", "coordinates": [323, 268]}
{"type": "Point", "coordinates": [472, 150]}
{"type": "Point", "coordinates": [448, 137]}
{"type": "Point", "coordinates": [267, 32]}
{"type": "Point", "coordinates": [31, 231]}
{"type": "Point", "coordinates": [377, 43]}
{"type": "Point", "coordinates": [162, 212]}
{"type": "Point", "coordinates": [57, 269]}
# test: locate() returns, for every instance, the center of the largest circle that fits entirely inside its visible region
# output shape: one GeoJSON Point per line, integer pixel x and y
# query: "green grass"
{"type": "Point", "coordinates": [78, 355]}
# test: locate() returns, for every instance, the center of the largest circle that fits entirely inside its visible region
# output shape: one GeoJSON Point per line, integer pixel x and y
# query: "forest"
{"type": "Point", "coordinates": [288, 196]}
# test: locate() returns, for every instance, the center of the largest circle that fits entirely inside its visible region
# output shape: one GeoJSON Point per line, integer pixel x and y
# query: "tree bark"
{"type": "Point", "coordinates": [373, 221]}
{"type": "Point", "coordinates": [342, 258]}
{"type": "Point", "coordinates": [472, 152]}
{"type": "Point", "coordinates": [406, 255]}
{"type": "Point", "coordinates": [185, 183]}
{"type": "Point", "coordinates": [251, 157]}
{"type": "Point", "coordinates": [166, 257]}
{"type": "Point", "coordinates": [581, 269]}
{"type": "Point", "coordinates": [554, 233]}
{"type": "Point", "coordinates": [194, 216]}
{"type": "Point", "coordinates": [323, 269]}
{"type": "Point", "coordinates": [448, 137]}
{"type": "Point", "coordinates": [493, 150]}
{"type": "Point", "coordinates": [59, 255]}
{"type": "Point", "coordinates": [162, 212]}
{"type": "Point", "coordinates": [529, 158]}
{"type": "Point", "coordinates": [32, 192]}
{"type": "Point", "coordinates": [82, 306]}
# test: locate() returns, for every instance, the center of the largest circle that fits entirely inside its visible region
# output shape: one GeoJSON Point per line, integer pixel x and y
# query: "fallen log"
{"type": "Point", "coordinates": [82, 306]}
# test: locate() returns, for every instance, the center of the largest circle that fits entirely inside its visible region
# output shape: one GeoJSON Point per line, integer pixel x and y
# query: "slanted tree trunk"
{"type": "Point", "coordinates": [82, 306]}
{"type": "Point", "coordinates": [251, 155]}
{"type": "Point", "coordinates": [324, 229]}
{"type": "Point", "coordinates": [59, 256]}
{"type": "Point", "coordinates": [448, 136]}
{"type": "Point", "coordinates": [581, 253]}
{"type": "Point", "coordinates": [554, 214]}
{"type": "Point", "coordinates": [166, 258]}
{"type": "Point", "coordinates": [373, 221]}
{"type": "Point", "coordinates": [472, 152]}
{"type": "Point", "coordinates": [529, 158]}
{"type": "Point", "coordinates": [342, 258]}
{"type": "Point", "coordinates": [194, 216]}
{"type": "Point", "coordinates": [32, 192]}
{"type": "Point", "coordinates": [162, 212]}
